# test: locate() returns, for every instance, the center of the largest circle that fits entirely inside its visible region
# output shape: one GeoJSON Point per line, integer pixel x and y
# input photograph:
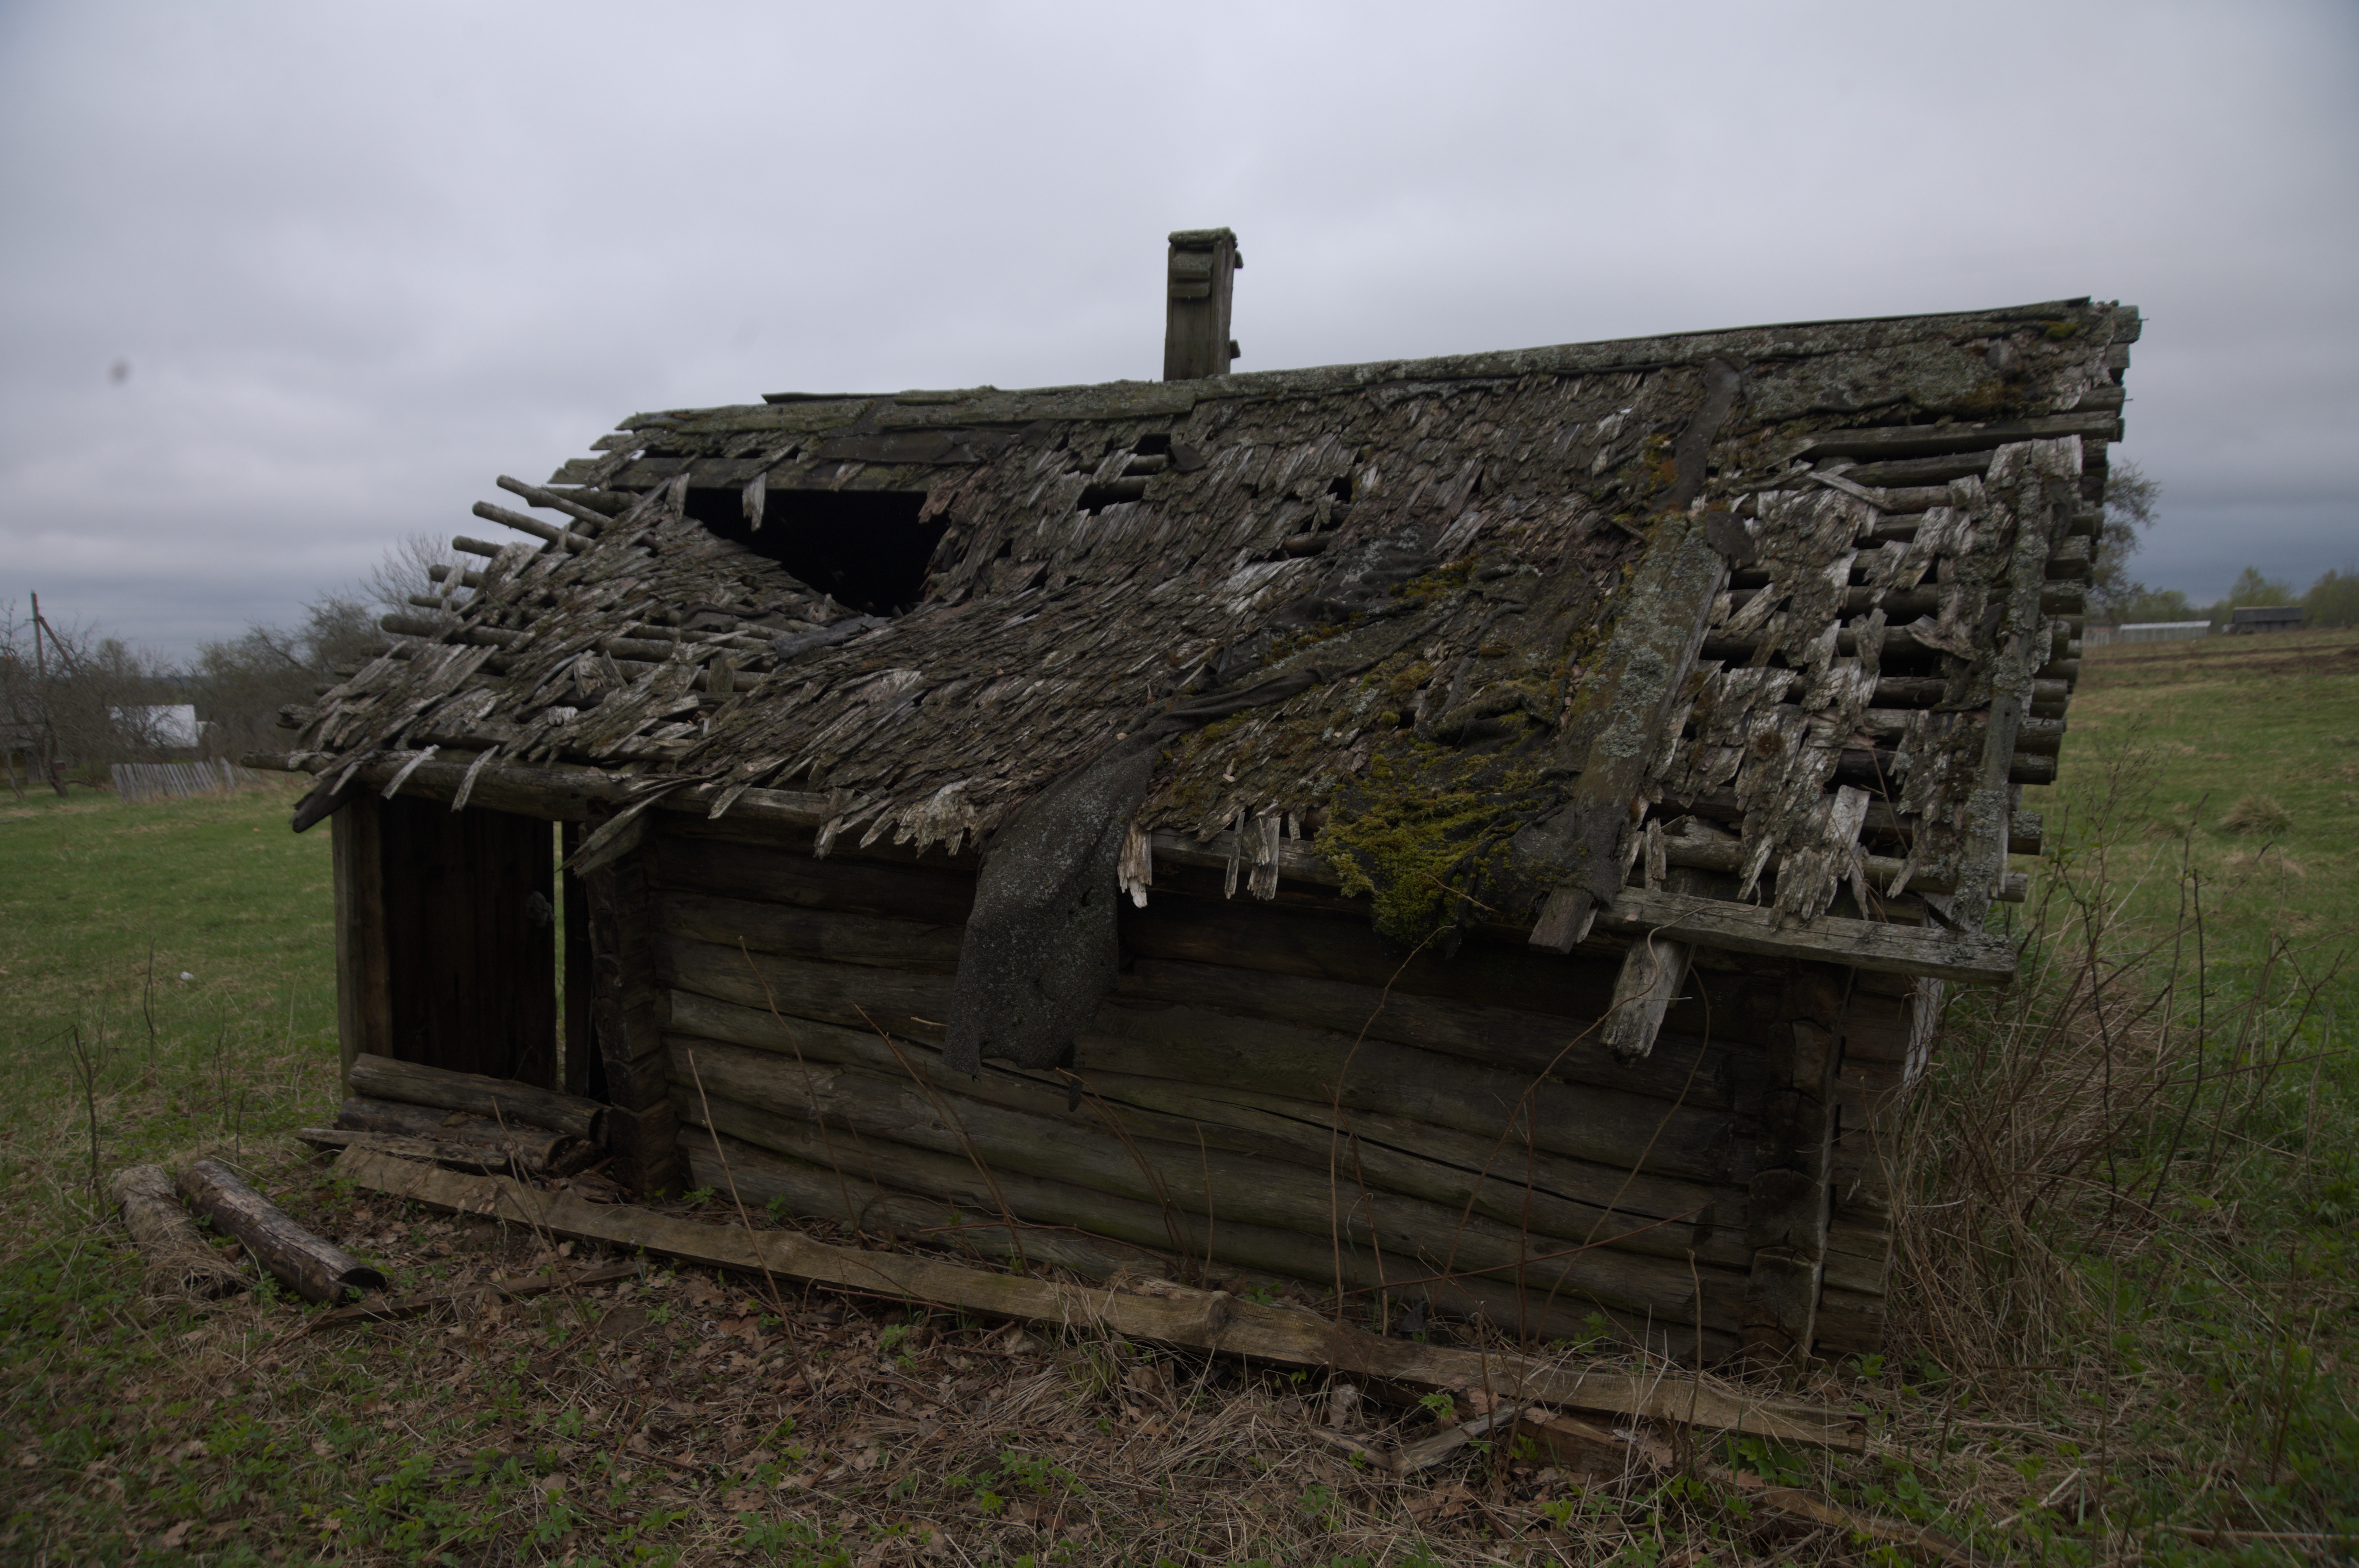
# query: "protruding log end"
{"type": "Point", "coordinates": [1651, 973]}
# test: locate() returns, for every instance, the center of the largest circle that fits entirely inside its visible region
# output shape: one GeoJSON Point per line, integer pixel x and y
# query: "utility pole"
{"type": "Point", "coordinates": [41, 685]}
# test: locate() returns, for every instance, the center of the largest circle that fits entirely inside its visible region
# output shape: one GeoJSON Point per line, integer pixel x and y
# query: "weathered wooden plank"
{"type": "Point", "coordinates": [1211, 1321]}
{"type": "Point", "coordinates": [1651, 973]}
{"type": "Point", "coordinates": [1619, 718]}
{"type": "Point", "coordinates": [1572, 1050]}
{"type": "Point", "coordinates": [833, 935]}
{"type": "Point", "coordinates": [480, 1157]}
{"type": "Point", "coordinates": [574, 794]}
{"type": "Point", "coordinates": [1864, 944]}
{"type": "Point", "coordinates": [795, 878]}
{"type": "Point", "coordinates": [1884, 443]}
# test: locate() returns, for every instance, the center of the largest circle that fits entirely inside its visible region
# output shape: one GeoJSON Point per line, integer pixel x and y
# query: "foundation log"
{"type": "Point", "coordinates": [497, 1099]}
{"type": "Point", "coordinates": [533, 1151]}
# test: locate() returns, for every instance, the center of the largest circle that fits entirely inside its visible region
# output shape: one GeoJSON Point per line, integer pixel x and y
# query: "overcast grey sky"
{"type": "Point", "coordinates": [360, 259]}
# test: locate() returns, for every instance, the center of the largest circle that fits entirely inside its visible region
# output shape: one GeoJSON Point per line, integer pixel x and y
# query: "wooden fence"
{"type": "Point", "coordinates": [180, 780]}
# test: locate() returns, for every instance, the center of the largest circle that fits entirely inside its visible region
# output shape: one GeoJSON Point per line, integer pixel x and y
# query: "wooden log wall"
{"type": "Point", "coordinates": [1267, 1089]}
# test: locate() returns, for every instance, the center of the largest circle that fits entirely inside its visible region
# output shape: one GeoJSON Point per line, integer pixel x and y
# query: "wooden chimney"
{"type": "Point", "coordinates": [1196, 339]}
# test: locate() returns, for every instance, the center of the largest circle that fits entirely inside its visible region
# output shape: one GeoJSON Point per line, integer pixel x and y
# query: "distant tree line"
{"type": "Point", "coordinates": [73, 700]}
{"type": "Point", "coordinates": [2132, 503]}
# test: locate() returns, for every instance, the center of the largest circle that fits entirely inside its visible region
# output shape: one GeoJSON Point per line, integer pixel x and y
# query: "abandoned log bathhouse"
{"type": "Point", "coordinates": [1486, 834]}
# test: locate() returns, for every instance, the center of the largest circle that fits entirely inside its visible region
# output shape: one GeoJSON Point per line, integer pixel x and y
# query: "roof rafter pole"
{"type": "Point", "coordinates": [1660, 632]}
{"type": "Point", "coordinates": [2036, 481]}
{"type": "Point", "coordinates": [1201, 274]}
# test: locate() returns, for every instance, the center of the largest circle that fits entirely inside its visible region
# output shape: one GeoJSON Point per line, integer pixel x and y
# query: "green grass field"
{"type": "Point", "coordinates": [103, 906]}
{"type": "Point", "coordinates": [2236, 758]}
{"type": "Point", "coordinates": [2126, 1301]}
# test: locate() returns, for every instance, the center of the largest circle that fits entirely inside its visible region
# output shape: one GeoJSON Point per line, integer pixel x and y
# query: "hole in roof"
{"type": "Point", "coordinates": [1154, 446]}
{"type": "Point", "coordinates": [865, 547]}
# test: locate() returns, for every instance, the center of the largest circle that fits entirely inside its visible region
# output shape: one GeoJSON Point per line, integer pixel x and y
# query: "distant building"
{"type": "Point", "coordinates": [2246, 618]}
{"type": "Point", "coordinates": [2162, 631]}
{"type": "Point", "coordinates": [167, 728]}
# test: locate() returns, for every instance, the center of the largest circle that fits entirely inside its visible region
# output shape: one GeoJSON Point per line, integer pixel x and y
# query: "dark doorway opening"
{"type": "Point", "coordinates": [470, 939]}
{"type": "Point", "coordinates": [866, 547]}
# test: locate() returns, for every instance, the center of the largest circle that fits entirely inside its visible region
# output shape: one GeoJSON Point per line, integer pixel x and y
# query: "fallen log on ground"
{"type": "Point", "coordinates": [177, 1258]}
{"type": "Point", "coordinates": [317, 1270]}
{"type": "Point", "coordinates": [388, 1309]}
{"type": "Point", "coordinates": [1196, 1320]}
{"type": "Point", "coordinates": [537, 1150]}
{"type": "Point", "coordinates": [414, 1083]}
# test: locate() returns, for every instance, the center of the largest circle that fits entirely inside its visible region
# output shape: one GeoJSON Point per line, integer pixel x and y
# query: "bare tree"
{"type": "Point", "coordinates": [405, 570]}
{"type": "Point", "coordinates": [72, 700]}
{"type": "Point", "coordinates": [2132, 505]}
{"type": "Point", "coordinates": [242, 682]}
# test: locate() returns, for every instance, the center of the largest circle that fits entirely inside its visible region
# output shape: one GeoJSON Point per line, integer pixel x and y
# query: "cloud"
{"type": "Point", "coordinates": [361, 261]}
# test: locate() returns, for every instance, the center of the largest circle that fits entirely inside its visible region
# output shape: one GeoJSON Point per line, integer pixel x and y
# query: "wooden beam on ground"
{"type": "Point", "coordinates": [1211, 1321]}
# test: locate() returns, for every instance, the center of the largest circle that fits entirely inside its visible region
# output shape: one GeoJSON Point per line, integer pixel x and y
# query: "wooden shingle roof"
{"type": "Point", "coordinates": [1788, 606]}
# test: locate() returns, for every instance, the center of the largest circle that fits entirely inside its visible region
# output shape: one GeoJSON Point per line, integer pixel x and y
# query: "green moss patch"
{"type": "Point", "coordinates": [1424, 831]}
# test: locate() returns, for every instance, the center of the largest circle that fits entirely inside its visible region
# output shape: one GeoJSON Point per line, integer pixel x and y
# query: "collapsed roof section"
{"type": "Point", "coordinates": [1769, 619]}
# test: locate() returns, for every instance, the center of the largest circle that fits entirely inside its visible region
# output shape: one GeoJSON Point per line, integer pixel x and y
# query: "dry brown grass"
{"type": "Point", "coordinates": [2256, 814]}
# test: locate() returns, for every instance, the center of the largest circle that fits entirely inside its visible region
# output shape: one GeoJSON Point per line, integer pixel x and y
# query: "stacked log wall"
{"type": "Point", "coordinates": [1267, 1089]}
